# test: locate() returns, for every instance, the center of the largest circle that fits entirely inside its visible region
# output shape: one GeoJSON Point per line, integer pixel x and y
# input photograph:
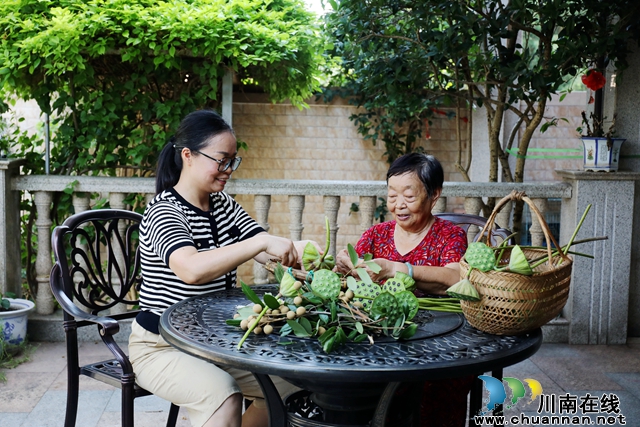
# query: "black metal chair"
{"type": "Point", "coordinates": [94, 279]}
{"type": "Point", "coordinates": [465, 221]}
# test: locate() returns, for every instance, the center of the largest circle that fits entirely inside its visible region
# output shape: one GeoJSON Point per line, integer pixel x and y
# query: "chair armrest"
{"type": "Point", "coordinates": [107, 325]}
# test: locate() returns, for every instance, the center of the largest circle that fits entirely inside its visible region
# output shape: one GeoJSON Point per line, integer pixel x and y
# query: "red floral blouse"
{"type": "Point", "coordinates": [444, 243]}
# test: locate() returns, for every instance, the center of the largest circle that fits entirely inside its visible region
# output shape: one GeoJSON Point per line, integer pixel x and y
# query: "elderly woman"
{"type": "Point", "coordinates": [428, 249]}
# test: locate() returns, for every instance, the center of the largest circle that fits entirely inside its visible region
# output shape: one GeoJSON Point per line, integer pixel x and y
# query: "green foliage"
{"type": "Point", "coordinates": [403, 59]}
{"type": "Point", "coordinates": [117, 76]}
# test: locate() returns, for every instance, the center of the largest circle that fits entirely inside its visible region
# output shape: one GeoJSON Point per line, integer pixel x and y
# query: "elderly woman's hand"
{"type": "Point", "coordinates": [343, 262]}
{"type": "Point", "coordinates": [387, 269]}
{"type": "Point", "coordinates": [299, 245]}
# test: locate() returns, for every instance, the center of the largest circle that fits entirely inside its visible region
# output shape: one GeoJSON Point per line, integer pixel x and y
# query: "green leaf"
{"type": "Point", "coordinates": [233, 322]}
{"type": "Point", "coordinates": [250, 294]}
{"type": "Point", "coordinates": [271, 301]}
{"type": "Point", "coordinates": [373, 266]}
{"type": "Point", "coordinates": [359, 327]}
{"type": "Point", "coordinates": [304, 322]}
{"type": "Point", "coordinates": [409, 331]}
{"type": "Point", "coordinates": [353, 255]}
{"type": "Point", "coordinates": [298, 329]}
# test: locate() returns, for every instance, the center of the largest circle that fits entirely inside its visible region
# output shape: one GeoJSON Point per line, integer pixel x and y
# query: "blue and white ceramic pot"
{"type": "Point", "coordinates": [599, 155]}
{"type": "Point", "coordinates": [13, 323]}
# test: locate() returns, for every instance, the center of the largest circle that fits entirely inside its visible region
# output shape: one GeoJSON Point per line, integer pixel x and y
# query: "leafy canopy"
{"type": "Point", "coordinates": [403, 59]}
{"type": "Point", "coordinates": [117, 75]}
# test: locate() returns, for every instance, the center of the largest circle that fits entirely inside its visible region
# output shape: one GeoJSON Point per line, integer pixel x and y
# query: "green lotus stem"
{"type": "Point", "coordinates": [575, 232]}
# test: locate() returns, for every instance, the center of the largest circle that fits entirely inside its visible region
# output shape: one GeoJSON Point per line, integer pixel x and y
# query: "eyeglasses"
{"type": "Point", "coordinates": [225, 162]}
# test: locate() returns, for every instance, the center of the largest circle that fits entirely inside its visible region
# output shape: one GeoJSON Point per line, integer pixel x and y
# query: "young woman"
{"type": "Point", "coordinates": [193, 236]}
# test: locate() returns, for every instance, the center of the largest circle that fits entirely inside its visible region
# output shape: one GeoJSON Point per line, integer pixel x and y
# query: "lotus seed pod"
{"type": "Point", "coordinates": [287, 285]}
{"type": "Point", "coordinates": [393, 286]}
{"type": "Point", "coordinates": [409, 283]}
{"type": "Point", "coordinates": [300, 311]}
{"type": "Point", "coordinates": [480, 256]}
{"type": "Point", "coordinates": [257, 330]}
{"type": "Point", "coordinates": [257, 308]}
{"type": "Point", "coordinates": [518, 262]}
{"type": "Point", "coordinates": [291, 315]}
{"type": "Point", "coordinates": [310, 256]}
{"type": "Point", "coordinates": [267, 329]}
{"type": "Point", "coordinates": [297, 300]}
{"type": "Point", "coordinates": [386, 305]}
{"type": "Point", "coordinates": [244, 324]}
{"type": "Point", "coordinates": [408, 303]}
{"type": "Point", "coordinates": [464, 290]}
{"type": "Point", "coordinates": [369, 290]}
{"type": "Point", "coordinates": [326, 283]}
{"type": "Point", "coordinates": [321, 330]}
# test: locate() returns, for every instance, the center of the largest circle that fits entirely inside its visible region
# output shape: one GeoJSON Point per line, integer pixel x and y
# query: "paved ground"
{"type": "Point", "coordinates": [34, 394]}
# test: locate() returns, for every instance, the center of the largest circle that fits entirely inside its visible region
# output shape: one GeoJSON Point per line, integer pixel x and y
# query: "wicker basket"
{"type": "Point", "coordinates": [512, 303]}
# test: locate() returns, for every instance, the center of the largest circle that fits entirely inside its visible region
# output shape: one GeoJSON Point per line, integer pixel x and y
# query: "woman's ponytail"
{"type": "Point", "coordinates": [169, 167]}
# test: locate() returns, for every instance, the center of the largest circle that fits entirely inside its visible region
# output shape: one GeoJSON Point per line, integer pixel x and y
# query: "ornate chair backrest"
{"type": "Point", "coordinates": [472, 224]}
{"type": "Point", "coordinates": [97, 262]}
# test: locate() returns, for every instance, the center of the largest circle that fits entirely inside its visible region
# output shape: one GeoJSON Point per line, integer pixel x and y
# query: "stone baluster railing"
{"type": "Point", "coordinates": [536, 231]}
{"type": "Point", "coordinates": [81, 202]}
{"type": "Point", "coordinates": [116, 201]}
{"type": "Point", "coordinates": [262, 204]}
{"type": "Point", "coordinates": [44, 298]}
{"type": "Point", "coordinates": [331, 206]}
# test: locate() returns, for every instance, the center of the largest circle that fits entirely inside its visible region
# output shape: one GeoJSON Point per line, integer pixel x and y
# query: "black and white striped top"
{"type": "Point", "coordinates": [170, 222]}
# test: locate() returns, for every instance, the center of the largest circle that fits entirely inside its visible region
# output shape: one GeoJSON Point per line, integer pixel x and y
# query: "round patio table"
{"type": "Point", "coordinates": [353, 385]}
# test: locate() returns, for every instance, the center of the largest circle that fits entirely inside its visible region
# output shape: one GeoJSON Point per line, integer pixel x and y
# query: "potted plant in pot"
{"type": "Point", "coordinates": [13, 319]}
{"type": "Point", "coordinates": [601, 148]}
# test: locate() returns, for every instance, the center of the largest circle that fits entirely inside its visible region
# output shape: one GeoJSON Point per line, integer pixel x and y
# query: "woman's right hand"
{"type": "Point", "coordinates": [281, 249]}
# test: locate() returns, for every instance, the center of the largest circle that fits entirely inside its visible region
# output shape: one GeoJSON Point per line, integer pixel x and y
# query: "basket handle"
{"type": "Point", "coordinates": [520, 195]}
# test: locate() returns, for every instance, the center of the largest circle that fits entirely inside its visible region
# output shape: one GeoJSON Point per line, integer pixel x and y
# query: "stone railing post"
{"type": "Point", "coordinates": [116, 201]}
{"type": "Point", "coordinates": [440, 206]}
{"type": "Point", "coordinates": [81, 202]}
{"type": "Point", "coordinates": [599, 298]}
{"type": "Point", "coordinates": [44, 298]}
{"type": "Point", "coordinates": [537, 234]}
{"type": "Point", "coordinates": [473, 206]}
{"type": "Point", "coordinates": [367, 211]}
{"type": "Point", "coordinates": [331, 207]}
{"type": "Point", "coordinates": [10, 263]}
{"type": "Point", "coordinates": [262, 204]}
{"type": "Point", "coordinates": [296, 208]}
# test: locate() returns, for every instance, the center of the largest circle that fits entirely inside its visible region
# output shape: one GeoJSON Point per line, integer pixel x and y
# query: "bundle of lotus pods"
{"type": "Point", "coordinates": [318, 307]}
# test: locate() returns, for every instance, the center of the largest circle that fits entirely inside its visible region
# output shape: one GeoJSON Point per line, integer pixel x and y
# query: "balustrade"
{"type": "Point", "coordinates": [464, 196]}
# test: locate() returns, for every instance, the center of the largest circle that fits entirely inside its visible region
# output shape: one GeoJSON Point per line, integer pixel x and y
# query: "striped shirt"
{"type": "Point", "coordinates": [169, 223]}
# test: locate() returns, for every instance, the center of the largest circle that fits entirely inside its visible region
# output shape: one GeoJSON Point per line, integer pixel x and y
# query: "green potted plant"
{"type": "Point", "coordinates": [601, 147]}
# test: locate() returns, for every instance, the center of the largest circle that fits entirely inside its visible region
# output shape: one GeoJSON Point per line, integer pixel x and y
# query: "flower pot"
{"type": "Point", "coordinates": [599, 156]}
{"type": "Point", "coordinates": [13, 323]}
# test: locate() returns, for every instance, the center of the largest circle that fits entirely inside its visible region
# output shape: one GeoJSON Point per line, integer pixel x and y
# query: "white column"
{"type": "Point", "coordinates": [598, 303]}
